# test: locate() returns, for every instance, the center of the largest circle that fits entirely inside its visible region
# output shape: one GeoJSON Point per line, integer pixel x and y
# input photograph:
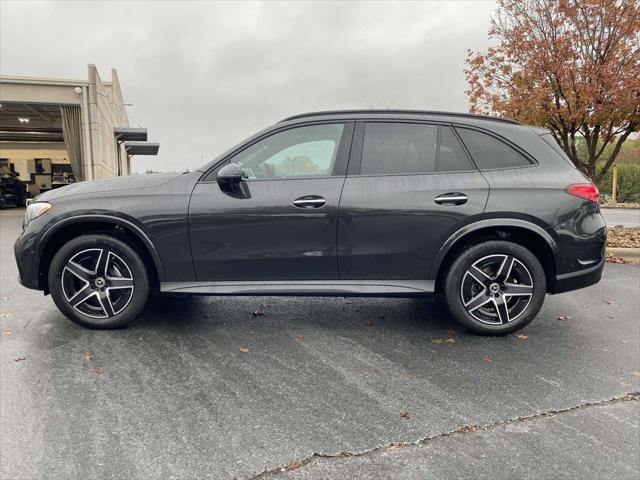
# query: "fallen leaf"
{"type": "Point", "coordinates": [636, 373]}
{"type": "Point", "coordinates": [87, 357]}
{"type": "Point", "coordinates": [469, 428]}
{"type": "Point", "coordinates": [19, 359]}
{"type": "Point", "coordinates": [564, 317]}
{"type": "Point", "coordinates": [404, 414]}
{"type": "Point", "coordinates": [6, 315]}
{"type": "Point", "coordinates": [490, 359]}
{"type": "Point", "coordinates": [101, 371]}
{"type": "Point", "coordinates": [7, 333]}
{"type": "Point", "coordinates": [293, 466]}
{"type": "Point", "coordinates": [390, 448]}
{"type": "Point", "coordinates": [440, 341]}
{"type": "Point", "coordinates": [611, 301]}
{"type": "Point", "coordinates": [259, 313]}
{"type": "Point", "coordinates": [300, 337]}
{"type": "Point", "coordinates": [244, 349]}
{"type": "Point", "coordinates": [522, 336]}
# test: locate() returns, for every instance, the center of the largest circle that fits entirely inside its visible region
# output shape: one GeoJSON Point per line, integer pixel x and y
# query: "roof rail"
{"type": "Point", "coordinates": [400, 112]}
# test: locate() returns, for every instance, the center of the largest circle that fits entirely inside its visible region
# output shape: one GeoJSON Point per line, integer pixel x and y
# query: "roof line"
{"type": "Point", "coordinates": [400, 112]}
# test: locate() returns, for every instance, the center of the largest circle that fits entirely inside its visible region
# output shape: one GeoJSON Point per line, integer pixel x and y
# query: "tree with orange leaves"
{"type": "Point", "coordinates": [572, 66]}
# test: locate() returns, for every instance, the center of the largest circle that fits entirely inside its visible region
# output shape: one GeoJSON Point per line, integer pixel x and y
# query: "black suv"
{"type": "Point", "coordinates": [486, 211]}
{"type": "Point", "coordinates": [12, 190]}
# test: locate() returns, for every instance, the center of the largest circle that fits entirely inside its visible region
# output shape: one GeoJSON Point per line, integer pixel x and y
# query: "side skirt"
{"type": "Point", "coordinates": [312, 288]}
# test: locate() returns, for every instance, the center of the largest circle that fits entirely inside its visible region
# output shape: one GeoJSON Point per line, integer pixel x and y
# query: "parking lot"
{"type": "Point", "coordinates": [319, 388]}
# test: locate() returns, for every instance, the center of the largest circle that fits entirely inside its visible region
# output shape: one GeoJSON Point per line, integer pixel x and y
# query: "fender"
{"type": "Point", "coordinates": [491, 222]}
{"type": "Point", "coordinates": [137, 231]}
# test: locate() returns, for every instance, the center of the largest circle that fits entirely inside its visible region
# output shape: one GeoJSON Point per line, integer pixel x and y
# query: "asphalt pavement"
{"type": "Point", "coordinates": [628, 217]}
{"type": "Point", "coordinates": [319, 388]}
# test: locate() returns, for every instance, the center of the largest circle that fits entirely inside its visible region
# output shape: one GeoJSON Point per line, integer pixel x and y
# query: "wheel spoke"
{"type": "Point", "coordinates": [79, 271]}
{"type": "Point", "coordinates": [505, 269]}
{"type": "Point", "coordinates": [476, 302]}
{"type": "Point", "coordinates": [479, 275]}
{"type": "Point", "coordinates": [82, 295]}
{"type": "Point", "coordinates": [102, 263]}
{"type": "Point", "coordinates": [515, 290]}
{"type": "Point", "coordinates": [105, 302]}
{"type": "Point", "coordinates": [119, 282]}
{"type": "Point", "coordinates": [501, 310]}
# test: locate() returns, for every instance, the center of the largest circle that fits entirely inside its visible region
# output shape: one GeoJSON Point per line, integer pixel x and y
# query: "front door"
{"type": "Point", "coordinates": [410, 185]}
{"type": "Point", "coordinates": [281, 223]}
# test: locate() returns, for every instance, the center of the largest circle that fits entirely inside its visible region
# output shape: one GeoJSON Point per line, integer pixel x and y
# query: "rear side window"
{"type": "Point", "coordinates": [406, 148]}
{"type": "Point", "coordinates": [399, 148]}
{"type": "Point", "coordinates": [549, 140]}
{"type": "Point", "coordinates": [451, 155]}
{"type": "Point", "coordinates": [488, 152]}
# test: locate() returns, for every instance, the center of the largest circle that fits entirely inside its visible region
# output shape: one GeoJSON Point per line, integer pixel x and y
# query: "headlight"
{"type": "Point", "coordinates": [35, 210]}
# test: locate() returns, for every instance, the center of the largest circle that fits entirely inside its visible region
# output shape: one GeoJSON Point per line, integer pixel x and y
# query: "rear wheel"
{"type": "Point", "coordinates": [495, 288]}
{"type": "Point", "coordinates": [98, 281]}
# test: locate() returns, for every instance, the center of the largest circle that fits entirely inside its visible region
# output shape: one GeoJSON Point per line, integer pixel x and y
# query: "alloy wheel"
{"type": "Point", "coordinates": [97, 283]}
{"type": "Point", "coordinates": [496, 289]}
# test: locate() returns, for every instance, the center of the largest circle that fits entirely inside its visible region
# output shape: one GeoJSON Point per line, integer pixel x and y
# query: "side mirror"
{"type": "Point", "coordinates": [229, 177]}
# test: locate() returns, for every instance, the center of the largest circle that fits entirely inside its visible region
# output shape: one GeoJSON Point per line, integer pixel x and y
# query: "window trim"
{"type": "Point", "coordinates": [339, 166]}
{"type": "Point", "coordinates": [532, 161]}
{"type": "Point", "coordinates": [355, 161]}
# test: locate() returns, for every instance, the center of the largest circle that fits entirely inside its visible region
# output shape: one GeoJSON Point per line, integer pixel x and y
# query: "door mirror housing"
{"type": "Point", "coordinates": [229, 177]}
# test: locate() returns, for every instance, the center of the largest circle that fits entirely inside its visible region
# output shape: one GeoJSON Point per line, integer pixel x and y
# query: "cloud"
{"type": "Point", "coordinates": [204, 75]}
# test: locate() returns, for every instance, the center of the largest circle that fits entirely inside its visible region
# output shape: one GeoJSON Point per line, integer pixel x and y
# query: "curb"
{"type": "Point", "coordinates": [625, 252]}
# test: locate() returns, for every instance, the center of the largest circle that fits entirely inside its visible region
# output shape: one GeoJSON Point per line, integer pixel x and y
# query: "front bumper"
{"type": "Point", "coordinates": [26, 258]}
{"type": "Point", "coordinates": [579, 279]}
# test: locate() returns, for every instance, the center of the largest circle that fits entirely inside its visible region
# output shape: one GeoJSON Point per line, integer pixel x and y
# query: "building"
{"type": "Point", "coordinates": [54, 132]}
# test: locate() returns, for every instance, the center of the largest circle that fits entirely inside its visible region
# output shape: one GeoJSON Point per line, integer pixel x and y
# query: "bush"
{"type": "Point", "coordinates": [628, 183]}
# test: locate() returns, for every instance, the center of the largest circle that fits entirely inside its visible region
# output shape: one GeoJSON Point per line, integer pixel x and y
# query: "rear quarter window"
{"type": "Point", "coordinates": [489, 152]}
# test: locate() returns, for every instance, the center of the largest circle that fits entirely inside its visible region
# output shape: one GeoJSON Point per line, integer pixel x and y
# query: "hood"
{"type": "Point", "coordinates": [109, 185]}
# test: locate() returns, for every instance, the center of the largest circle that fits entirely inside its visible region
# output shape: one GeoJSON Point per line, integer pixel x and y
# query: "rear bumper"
{"type": "Point", "coordinates": [580, 279]}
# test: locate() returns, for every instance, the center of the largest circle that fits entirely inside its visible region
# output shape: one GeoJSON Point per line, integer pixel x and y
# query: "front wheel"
{"type": "Point", "coordinates": [98, 281]}
{"type": "Point", "coordinates": [495, 288]}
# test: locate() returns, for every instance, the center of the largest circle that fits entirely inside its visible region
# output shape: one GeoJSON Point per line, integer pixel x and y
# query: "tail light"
{"type": "Point", "coordinates": [588, 191]}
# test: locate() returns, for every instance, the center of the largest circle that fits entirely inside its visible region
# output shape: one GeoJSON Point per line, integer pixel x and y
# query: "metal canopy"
{"type": "Point", "coordinates": [130, 134]}
{"type": "Point", "coordinates": [141, 148]}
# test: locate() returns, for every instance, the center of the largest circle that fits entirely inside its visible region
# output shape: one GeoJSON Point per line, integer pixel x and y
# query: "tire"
{"type": "Point", "coordinates": [495, 287]}
{"type": "Point", "coordinates": [98, 281]}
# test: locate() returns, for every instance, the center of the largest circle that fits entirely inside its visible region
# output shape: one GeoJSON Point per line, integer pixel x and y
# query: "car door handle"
{"type": "Point", "coordinates": [310, 201]}
{"type": "Point", "coordinates": [455, 198]}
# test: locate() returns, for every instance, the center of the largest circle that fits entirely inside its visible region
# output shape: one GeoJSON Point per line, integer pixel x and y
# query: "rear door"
{"type": "Point", "coordinates": [281, 225]}
{"type": "Point", "coordinates": [409, 186]}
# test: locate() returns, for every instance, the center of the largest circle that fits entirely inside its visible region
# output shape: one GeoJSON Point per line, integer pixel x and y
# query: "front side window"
{"type": "Point", "coordinates": [489, 153]}
{"type": "Point", "coordinates": [299, 152]}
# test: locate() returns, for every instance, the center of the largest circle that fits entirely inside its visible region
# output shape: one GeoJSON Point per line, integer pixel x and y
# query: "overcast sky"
{"type": "Point", "coordinates": [204, 75]}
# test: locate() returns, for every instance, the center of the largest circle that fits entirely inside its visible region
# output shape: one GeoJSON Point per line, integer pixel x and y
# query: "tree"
{"type": "Point", "coordinates": [572, 66]}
